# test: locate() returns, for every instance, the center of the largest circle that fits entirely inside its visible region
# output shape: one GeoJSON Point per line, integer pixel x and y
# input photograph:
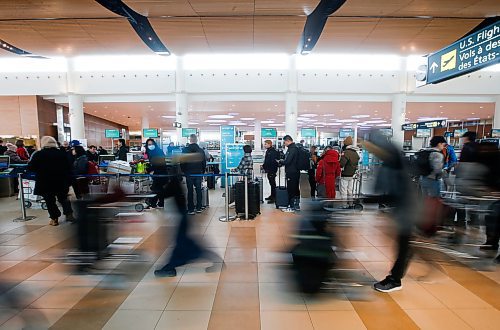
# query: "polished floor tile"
{"type": "Point", "coordinates": [152, 296]}
{"type": "Point", "coordinates": [437, 319]}
{"type": "Point", "coordinates": [326, 320]}
{"type": "Point", "coordinates": [192, 297]}
{"type": "Point", "coordinates": [185, 320]}
{"type": "Point", "coordinates": [230, 320]}
{"type": "Point", "coordinates": [133, 319]}
{"type": "Point", "coordinates": [237, 297]}
{"type": "Point", "coordinates": [285, 320]}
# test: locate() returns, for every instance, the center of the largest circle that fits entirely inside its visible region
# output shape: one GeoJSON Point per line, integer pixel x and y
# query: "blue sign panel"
{"type": "Point", "coordinates": [468, 54]}
{"type": "Point", "coordinates": [308, 132]}
{"type": "Point", "coordinates": [234, 154]}
{"type": "Point", "coordinates": [112, 133]}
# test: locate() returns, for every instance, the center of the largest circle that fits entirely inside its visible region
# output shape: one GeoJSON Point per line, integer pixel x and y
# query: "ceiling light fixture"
{"type": "Point", "coordinates": [221, 116]}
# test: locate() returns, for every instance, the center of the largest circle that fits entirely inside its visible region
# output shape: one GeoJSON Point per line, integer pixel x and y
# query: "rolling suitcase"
{"type": "Point", "coordinates": [211, 182]}
{"type": "Point", "coordinates": [253, 198]}
{"type": "Point", "coordinates": [281, 193]}
{"type": "Point", "coordinates": [260, 180]}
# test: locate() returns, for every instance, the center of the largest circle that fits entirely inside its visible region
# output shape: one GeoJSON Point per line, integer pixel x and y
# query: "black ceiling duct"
{"type": "Point", "coordinates": [315, 23]}
{"type": "Point", "coordinates": [140, 24]}
{"type": "Point", "coordinates": [18, 51]}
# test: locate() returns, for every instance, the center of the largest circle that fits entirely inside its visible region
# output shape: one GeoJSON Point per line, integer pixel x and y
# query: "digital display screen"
{"type": "Point", "coordinates": [4, 162]}
{"type": "Point", "coordinates": [308, 132]}
{"type": "Point", "coordinates": [112, 133]}
{"type": "Point", "coordinates": [150, 133]}
{"type": "Point", "coordinates": [345, 132]}
{"type": "Point", "coordinates": [269, 133]}
{"type": "Point", "coordinates": [186, 132]}
{"type": "Point", "coordinates": [423, 132]}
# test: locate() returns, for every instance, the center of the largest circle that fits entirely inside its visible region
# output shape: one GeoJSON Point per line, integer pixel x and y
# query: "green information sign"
{"type": "Point", "coordinates": [186, 132]}
{"type": "Point", "coordinates": [269, 133]}
{"type": "Point", "coordinates": [477, 50]}
{"type": "Point", "coordinates": [150, 133]}
{"type": "Point", "coordinates": [308, 132]}
{"type": "Point", "coordinates": [112, 133]}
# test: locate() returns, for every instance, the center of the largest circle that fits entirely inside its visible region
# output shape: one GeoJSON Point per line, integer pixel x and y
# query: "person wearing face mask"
{"type": "Point", "coordinates": [157, 166]}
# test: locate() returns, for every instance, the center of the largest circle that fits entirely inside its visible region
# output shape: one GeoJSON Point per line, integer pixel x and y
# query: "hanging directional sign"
{"type": "Point", "coordinates": [424, 124]}
{"type": "Point", "coordinates": [473, 52]}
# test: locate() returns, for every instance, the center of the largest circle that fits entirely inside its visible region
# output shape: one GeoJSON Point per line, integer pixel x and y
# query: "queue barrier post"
{"type": "Point", "coordinates": [246, 197]}
{"type": "Point", "coordinates": [227, 217]}
{"type": "Point", "coordinates": [24, 217]}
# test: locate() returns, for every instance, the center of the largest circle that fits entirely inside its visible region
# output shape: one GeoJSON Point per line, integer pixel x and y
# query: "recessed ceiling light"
{"type": "Point", "coordinates": [361, 116]}
{"type": "Point", "coordinates": [310, 115]}
{"type": "Point", "coordinates": [247, 119]}
{"type": "Point", "coordinates": [221, 116]}
{"type": "Point", "coordinates": [169, 117]}
{"type": "Point", "coordinates": [473, 113]}
{"type": "Point", "coordinates": [440, 106]}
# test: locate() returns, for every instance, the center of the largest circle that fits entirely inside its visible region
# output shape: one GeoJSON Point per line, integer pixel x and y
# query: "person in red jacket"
{"type": "Point", "coordinates": [328, 170]}
{"type": "Point", "coordinates": [21, 150]}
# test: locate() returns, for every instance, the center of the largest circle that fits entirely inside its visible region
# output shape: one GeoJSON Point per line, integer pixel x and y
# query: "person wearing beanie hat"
{"type": "Point", "coordinates": [14, 157]}
{"type": "Point", "coordinates": [48, 142]}
{"type": "Point", "coordinates": [349, 164]}
{"type": "Point", "coordinates": [52, 178]}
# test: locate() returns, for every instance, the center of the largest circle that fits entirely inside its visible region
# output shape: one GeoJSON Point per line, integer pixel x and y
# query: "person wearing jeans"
{"type": "Point", "coordinates": [270, 166]}
{"type": "Point", "coordinates": [292, 174]}
{"type": "Point", "coordinates": [349, 164]}
{"type": "Point", "coordinates": [194, 166]}
{"type": "Point", "coordinates": [194, 183]}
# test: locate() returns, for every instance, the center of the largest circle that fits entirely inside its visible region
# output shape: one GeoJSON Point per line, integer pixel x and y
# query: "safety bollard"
{"type": "Point", "coordinates": [246, 197]}
{"type": "Point", "coordinates": [24, 217]}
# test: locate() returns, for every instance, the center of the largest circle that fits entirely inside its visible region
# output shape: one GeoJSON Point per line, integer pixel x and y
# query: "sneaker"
{"type": "Point", "coordinates": [388, 284]}
{"type": "Point", "coordinates": [191, 213]}
{"type": "Point", "coordinates": [165, 273]}
{"type": "Point", "coordinates": [198, 211]}
{"type": "Point", "coordinates": [288, 210]}
{"type": "Point", "coordinates": [54, 222]}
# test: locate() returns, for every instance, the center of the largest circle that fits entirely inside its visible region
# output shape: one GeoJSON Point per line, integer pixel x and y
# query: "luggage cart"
{"type": "Point", "coordinates": [331, 205]}
{"type": "Point", "coordinates": [30, 199]}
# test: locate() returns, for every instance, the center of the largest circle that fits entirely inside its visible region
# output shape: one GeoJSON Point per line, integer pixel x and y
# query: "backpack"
{"type": "Point", "coordinates": [92, 168]}
{"type": "Point", "coordinates": [422, 165]}
{"type": "Point", "coordinates": [304, 159]}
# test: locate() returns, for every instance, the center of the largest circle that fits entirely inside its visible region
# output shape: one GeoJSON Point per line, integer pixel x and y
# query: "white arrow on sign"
{"type": "Point", "coordinates": [434, 66]}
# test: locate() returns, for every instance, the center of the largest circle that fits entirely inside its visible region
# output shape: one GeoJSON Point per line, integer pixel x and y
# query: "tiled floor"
{"type": "Point", "coordinates": [253, 291]}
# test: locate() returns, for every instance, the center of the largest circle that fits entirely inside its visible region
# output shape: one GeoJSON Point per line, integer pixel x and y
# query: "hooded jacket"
{"type": "Point", "coordinates": [194, 167]}
{"type": "Point", "coordinates": [328, 170]}
{"type": "Point", "coordinates": [349, 161]}
{"type": "Point", "coordinates": [291, 159]}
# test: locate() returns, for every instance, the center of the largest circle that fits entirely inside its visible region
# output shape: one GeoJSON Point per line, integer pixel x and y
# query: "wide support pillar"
{"type": "Point", "coordinates": [76, 116]}
{"type": "Point", "coordinates": [398, 118]}
{"type": "Point", "coordinates": [496, 117]}
{"type": "Point", "coordinates": [291, 115]}
{"type": "Point", "coordinates": [355, 137]}
{"type": "Point", "coordinates": [258, 136]}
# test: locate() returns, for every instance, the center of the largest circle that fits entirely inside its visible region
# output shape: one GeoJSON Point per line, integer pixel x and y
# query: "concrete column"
{"type": "Point", "coordinates": [60, 123]}
{"type": "Point", "coordinates": [496, 117]}
{"type": "Point", "coordinates": [291, 115]}
{"type": "Point", "coordinates": [355, 137]}
{"type": "Point", "coordinates": [181, 114]}
{"type": "Point", "coordinates": [76, 118]}
{"type": "Point", "coordinates": [398, 118]}
{"type": "Point", "coordinates": [258, 136]}
{"type": "Point", "coordinates": [144, 124]}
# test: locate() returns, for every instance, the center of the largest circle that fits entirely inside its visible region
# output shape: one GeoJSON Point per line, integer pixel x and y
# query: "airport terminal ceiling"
{"type": "Point", "coordinates": [328, 116]}
{"type": "Point", "coordinates": [68, 28]}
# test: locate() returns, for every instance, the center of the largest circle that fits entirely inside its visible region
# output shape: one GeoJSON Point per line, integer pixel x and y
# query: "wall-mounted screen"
{"type": "Point", "coordinates": [345, 132]}
{"type": "Point", "coordinates": [112, 133]}
{"type": "Point", "coordinates": [308, 132]}
{"type": "Point", "coordinates": [269, 133]}
{"type": "Point", "coordinates": [150, 133]}
{"type": "Point", "coordinates": [423, 132]}
{"type": "Point", "coordinates": [186, 132]}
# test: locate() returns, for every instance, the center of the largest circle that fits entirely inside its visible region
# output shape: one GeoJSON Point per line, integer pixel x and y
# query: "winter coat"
{"type": "Point", "coordinates": [270, 161]}
{"type": "Point", "coordinates": [245, 167]}
{"type": "Point", "coordinates": [122, 153]}
{"type": "Point", "coordinates": [194, 167]}
{"type": "Point", "coordinates": [52, 171]}
{"type": "Point", "coordinates": [292, 159]}
{"type": "Point", "coordinates": [80, 165]}
{"type": "Point", "coordinates": [23, 153]}
{"type": "Point", "coordinates": [328, 170]}
{"type": "Point", "coordinates": [14, 157]}
{"type": "Point", "coordinates": [157, 166]}
{"type": "Point", "coordinates": [92, 157]}
{"type": "Point", "coordinates": [349, 162]}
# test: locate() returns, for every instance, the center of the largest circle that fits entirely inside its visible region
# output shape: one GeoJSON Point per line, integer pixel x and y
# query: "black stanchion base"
{"type": "Point", "coordinates": [21, 219]}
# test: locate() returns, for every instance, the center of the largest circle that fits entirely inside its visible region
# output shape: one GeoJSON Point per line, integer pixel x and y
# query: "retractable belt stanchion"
{"type": "Point", "coordinates": [246, 197]}
{"type": "Point", "coordinates": [226, 218]}
{"type": "Point", "coordinates": [23, 206]}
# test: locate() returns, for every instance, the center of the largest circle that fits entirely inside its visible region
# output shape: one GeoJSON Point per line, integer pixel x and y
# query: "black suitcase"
{"type": "Point", "coordinates": [211, 182]}
{"type": "Point", "coordinates": [253, 198]}
{"type": "Point", "coordinates": [281, 193]}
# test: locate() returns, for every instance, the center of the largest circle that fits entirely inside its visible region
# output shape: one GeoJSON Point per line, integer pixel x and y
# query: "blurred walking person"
{"type": "Point", "coordinates": [52, 178]}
